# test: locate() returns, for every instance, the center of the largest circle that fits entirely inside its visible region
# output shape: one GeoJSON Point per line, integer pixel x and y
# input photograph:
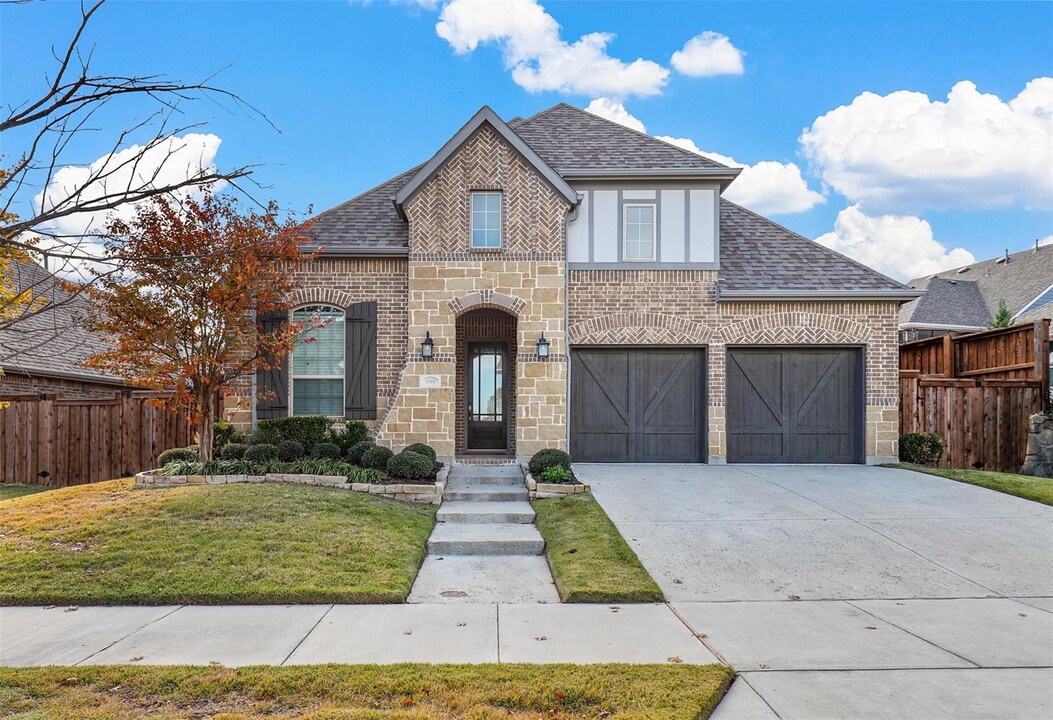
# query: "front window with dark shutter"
{"type": "Point", "coordinates": [318, 363]}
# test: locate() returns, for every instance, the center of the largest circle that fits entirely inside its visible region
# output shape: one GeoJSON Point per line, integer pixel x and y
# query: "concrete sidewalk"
{"type": "Point", "coordinates": [313, 634]}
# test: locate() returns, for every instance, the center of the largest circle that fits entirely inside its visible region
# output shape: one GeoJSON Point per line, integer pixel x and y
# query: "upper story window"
{"type": "Point", "coordinates": [639, 232]}
{"type": "Point", "coordinates": [318, 364]}
{"type": "Point", "coordinates": [486, 220]}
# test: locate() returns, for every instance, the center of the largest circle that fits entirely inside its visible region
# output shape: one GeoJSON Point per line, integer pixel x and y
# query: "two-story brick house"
{"type": "Point", "coordinates": [563, 281]}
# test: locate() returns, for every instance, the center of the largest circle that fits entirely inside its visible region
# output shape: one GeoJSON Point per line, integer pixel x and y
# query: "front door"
{"type": "Point", "coordinates": [487, 426]}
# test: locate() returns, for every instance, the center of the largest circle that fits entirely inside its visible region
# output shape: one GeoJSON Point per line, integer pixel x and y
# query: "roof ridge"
{"type": "Point", "coordinates": [816, 244]}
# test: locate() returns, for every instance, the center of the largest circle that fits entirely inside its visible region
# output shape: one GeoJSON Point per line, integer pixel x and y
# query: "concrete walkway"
{"type": "Point", "coordinates": [311, 634]}
{"type": "Point", "coordinates": [485, 548]}
{"type": "Point", "coordinates": [849, 592]}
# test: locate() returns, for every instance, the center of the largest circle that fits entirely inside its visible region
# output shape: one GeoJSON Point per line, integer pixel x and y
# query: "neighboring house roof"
{"type": "Point", "coordinates": [757, 256]}
{"type": "Point", "coordinates": [969, 296]}
{"type": "Point", "coordinates": [53, 342]}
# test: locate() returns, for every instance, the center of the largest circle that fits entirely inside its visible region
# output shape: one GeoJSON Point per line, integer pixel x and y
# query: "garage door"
{"type": "Point", "coordinates": [795, 405]}
{"type": "Point", "coordinates": [638, 405]}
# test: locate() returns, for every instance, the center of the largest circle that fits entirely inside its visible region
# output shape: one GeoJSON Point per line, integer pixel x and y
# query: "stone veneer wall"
{"type": "Point", "coordinates": [678, 307]}
{"type": "Point", "coordinates": [447, 278]}
{"type": "Point", "coordinates": [341, 282]}
{"type": "Point", "coordinates": [1039, 458]}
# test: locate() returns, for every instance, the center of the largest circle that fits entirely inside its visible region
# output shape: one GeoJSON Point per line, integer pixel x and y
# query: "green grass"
{"type": "Point", "coordinates": [365, 692]}
{"type": "Point", "coordinates": [1024, 486]}
{"type": "Point", "coordinates": [590, 561]}
{"type": "Point", "coordinates": [110, 544]}
{"type": "Point", "coordinates": [8, 491]}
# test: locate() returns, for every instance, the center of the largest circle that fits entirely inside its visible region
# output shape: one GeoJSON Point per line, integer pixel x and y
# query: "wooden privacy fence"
{"type": "Point", "coordinates": [977, 391]}
{"type": "Point", "coordinates": [85, 441]}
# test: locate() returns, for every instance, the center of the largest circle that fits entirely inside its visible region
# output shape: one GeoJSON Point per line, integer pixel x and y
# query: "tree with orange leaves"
{"type": "Point", "coordinates": [180, 313]}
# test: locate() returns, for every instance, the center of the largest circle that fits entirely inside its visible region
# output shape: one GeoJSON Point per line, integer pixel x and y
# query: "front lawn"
{"type": "Point", "coordinates": [366, 692]}
{"type": "Point", "coordinates": [110, 544]}
{"type": "Point", "coordinates": [590, 561]}
{"type": "Point", "coordinates": [8, 491]}
{"type": "Point", "coordinates": [1024, 486]}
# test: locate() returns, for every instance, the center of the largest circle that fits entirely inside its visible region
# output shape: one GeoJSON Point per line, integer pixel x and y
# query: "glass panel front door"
{"type": "Point", "coordinates": [487, 397]}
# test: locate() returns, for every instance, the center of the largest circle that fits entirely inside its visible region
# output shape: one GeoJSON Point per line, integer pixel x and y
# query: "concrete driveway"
{"type": "Point", "coordinates": [848, 591]}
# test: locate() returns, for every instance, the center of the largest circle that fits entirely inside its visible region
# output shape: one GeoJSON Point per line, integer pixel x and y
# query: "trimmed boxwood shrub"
{"type": "Point", "coordinates": [233, 451]}
{"type": "Point", "coordinates": [547, 458]}
{"type": "Point", "coordinates": [308, 430]}
{"type": "Point", "coordinates": [353, 432]}
{"type": "Point", "coordinates": [421, 449]}
{"type": "Point", "coordinates": [409, 465]}
{"type": "Point", "coordinates": [326, 450]}
{"type": "Point", "coordinates": [921, 448]}
{"type": "Point", "coordinates": [261, 452]}
{"type": "Point", "coordinates": [376, 457]}
{"type": "Point", "coordinates": [355, 453]}
{"type": "Point", "coordinates": [187, 454]}
{"type": "Point", "coordinates": [290, 450]}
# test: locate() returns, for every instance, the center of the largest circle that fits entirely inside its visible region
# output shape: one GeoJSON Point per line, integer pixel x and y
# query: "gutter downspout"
{"type": "Point", "coordinates": [566, 303]}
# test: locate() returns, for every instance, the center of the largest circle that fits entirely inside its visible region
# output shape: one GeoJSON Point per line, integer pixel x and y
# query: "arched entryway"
{"type": "Point", "coordinates": [486, 371]}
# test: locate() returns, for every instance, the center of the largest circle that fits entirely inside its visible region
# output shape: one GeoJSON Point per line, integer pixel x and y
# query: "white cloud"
{"type": "Point", "coordinates": [615, 112]}
{"type": "Point", "coordinates": [538, 57]}
{"type": "Point", "coordinates": [173, 160]}
{"type": "Point", "coordinates": [905, 151]}
{"type": "Point", "coordinates": [768, 187]}
{"type": "Point", "coordinates": [1047, 240]}
{"type": "Point", "coordinates": [901, 246]}
{"type": "Point", "coordinates": [709, 53]}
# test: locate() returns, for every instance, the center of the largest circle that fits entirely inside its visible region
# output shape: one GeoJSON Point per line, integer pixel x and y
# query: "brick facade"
{"type": "Point", "coordinates": [679, 307]}
{"type": "Point", "coordinates": [447, 278]}
{"type": "Point", "coordinates": [14, 383]}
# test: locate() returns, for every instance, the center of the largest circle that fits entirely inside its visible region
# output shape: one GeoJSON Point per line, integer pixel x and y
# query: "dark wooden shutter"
{"type": "Point", "coordinates": [272, 386]}
{"type": "Point", "coordinates": [360, 361]}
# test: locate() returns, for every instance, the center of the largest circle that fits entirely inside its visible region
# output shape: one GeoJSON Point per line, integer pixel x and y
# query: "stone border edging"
{"type": "Point", "coordinates": [551, 490]}
{"type": "Point", "coordinates": [431, 493]}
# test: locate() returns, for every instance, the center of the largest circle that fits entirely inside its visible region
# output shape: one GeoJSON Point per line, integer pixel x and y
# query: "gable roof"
{"type": "Point", "coordinates": [53, 342]}
{"type": "Point", "coordinates": [1019, 279]}
{"type": "Point", "coordinates": [758, 257]}
{"type": "Point", "coordinates": [489, 117]}
{"type": "Point", "coordinates": [761, 259]}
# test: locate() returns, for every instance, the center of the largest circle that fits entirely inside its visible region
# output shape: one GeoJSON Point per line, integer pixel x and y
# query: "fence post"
{"type": "Point", "coordinates": [1042, 356]}
{"type": "Point", "coordinates": [948, 356]}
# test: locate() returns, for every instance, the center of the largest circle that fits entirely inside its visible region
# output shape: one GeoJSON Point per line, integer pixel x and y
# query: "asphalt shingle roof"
{"type": "Point", "coordinates": [755, 253]}
{"type": "Point", "coordinates": [1018, 281]}
{"type": "Point", "coordinates": [758, 254]}
{"type": "Point", "coordinates": [54, 341]}
{"type": "Point", "coordinates": [569, 138]}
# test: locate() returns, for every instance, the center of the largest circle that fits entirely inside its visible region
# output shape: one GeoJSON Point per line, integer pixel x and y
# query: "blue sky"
{"type": "Point", "coordinates": [361, 92]}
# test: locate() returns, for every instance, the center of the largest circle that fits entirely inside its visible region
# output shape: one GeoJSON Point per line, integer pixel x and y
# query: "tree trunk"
{"type": "Point", "coordinates": [206, 427]}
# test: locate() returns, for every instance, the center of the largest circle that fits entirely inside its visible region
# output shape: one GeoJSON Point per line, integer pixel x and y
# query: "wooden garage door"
{"type": "Point", "coordinates": [638, 405]}
{"type": "Point", "coordinates": [795, 405]}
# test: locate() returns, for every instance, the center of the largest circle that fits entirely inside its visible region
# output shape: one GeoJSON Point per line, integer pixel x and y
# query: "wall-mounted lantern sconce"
{"type": "Point", "coordinates": [427, 346]}
{"type": "Point", "coordinates": [542, 347]}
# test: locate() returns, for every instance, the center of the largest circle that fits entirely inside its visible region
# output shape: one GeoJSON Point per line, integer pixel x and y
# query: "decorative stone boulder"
{"type": "Point", "coordinates": [1039, 459]}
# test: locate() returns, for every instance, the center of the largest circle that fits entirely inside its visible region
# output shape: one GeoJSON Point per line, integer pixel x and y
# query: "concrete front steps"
{"type": "Point", "coordinates": [484, 547]}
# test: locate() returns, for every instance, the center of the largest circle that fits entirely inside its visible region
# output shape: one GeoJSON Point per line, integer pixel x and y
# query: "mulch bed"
{"type": "Point", "coordinates": [430, 480]}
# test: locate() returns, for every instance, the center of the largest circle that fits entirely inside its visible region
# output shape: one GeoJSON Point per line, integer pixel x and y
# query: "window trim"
{"type": "Point", "coordinates": [293, 377]}
{"type": "Point", "coordinates": [654, 231]}
{"type": "Point", "coordinates": [500, 220]}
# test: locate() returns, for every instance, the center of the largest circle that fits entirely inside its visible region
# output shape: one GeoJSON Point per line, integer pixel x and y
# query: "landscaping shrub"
{"type": "Point", "coordinates": [326, 450]}
{"type": "Point", "coordinates": [421, 449]}
{"type": "Point", "coordinates": [261, 452]}
{"type": "Point", "coordinates": [290, 450]}
{"type": "Point", "coordinates": [921, 448]}
{"type": "Point", "coordinates": [547, 458]}
{"type": "Point", "coordinates": [233, 451]}
{"type": "Point", "coordinates": [355, 453]}
{"type": "Point", "coordinates": [308, 430]}
{"type": "Point", "coordinates": [222, 434]}
{"type": "Point", "coordinates": [409, 465]}
{"type": "Point", "coordinates": [555, 474]}
{"type": "Point", "coordinates": [177, 455]}
{"type": "Point", "coordinates": [376, 457]}
{"type": "Point", "coordinates": [353, 432]}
